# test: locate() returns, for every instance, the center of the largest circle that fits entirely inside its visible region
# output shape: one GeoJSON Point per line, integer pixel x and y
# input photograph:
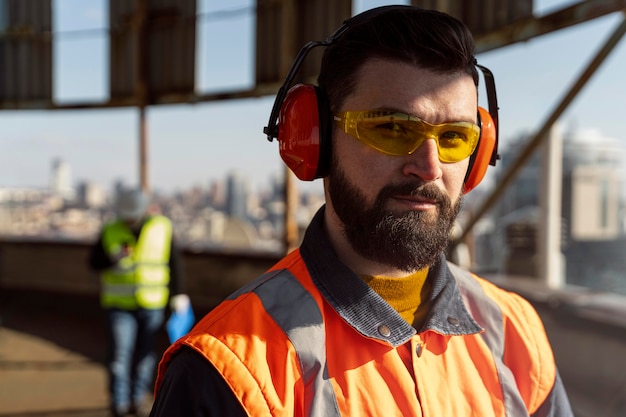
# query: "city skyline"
{"type": "Point", "coordinates": [230, 214]}
{"type": "Point", "coordinates": [61, 180]}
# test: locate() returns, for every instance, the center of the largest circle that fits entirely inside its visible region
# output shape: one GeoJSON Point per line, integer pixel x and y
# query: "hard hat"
{"type": "Point", "coordinates": [132, 204]}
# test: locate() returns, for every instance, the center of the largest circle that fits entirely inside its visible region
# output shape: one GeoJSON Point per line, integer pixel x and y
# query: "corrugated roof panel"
{"type": "Point", "coordinates": [157, 48]}
{"type": "Point", "coordinates": [25, 53]}
{"type": "Point", "coordinates": [282, 32]}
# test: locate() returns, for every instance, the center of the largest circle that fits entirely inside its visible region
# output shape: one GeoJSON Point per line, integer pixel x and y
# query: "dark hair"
{"type": "Point", "coordinates": [425, 38]}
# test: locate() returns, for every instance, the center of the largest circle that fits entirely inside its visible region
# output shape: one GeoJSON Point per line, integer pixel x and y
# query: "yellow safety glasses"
{"type": "Point", "coordinates": [400, 134]}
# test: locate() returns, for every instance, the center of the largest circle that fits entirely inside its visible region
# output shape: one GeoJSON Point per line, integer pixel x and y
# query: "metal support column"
{"type": "Point", "coordinates": [291, 187]}
{"type": "Point", "coordinates": [550, 259]}
{"type": "Point", "coordinates": [141, 39]}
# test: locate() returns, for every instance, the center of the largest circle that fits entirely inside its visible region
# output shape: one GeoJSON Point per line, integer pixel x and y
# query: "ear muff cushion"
{"type": "Point", "coordinates": [479, 161]}
{"type": "Point", "coordinates": [299, 131]}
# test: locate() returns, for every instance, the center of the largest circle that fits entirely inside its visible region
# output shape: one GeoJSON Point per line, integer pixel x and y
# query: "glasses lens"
{"type": "Point", "coordinates": [400, 134]}
{"type": "Point", "coordinates": [390, 134]}
{"type": "Point", "coordinates": [456, 141]}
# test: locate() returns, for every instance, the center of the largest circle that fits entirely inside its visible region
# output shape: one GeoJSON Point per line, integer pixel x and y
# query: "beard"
{"type": "Point", "coordinates": [407, 240]}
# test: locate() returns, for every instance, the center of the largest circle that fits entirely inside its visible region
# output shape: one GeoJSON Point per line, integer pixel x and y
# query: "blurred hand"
{"type": "Point", "coordinates": [179, 303]}
{"type": "Point", "coordinates": [124, 252]}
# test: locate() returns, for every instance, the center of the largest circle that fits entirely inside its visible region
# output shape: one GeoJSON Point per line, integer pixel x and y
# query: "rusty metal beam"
{"type": "Point", "coordinates": [527, 29]}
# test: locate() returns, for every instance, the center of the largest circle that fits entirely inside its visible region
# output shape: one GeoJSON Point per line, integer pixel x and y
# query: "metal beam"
{"type": "Point", "coordinates": [527, 29]}
{"type": "Point", "coordinates": [258, 91]}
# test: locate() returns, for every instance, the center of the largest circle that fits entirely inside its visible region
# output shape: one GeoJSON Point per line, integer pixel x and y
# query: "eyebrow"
{"type": "Point", "coordinates": [397, 110]}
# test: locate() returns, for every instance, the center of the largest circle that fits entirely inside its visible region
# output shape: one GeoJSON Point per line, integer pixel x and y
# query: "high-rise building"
{"type": "Point", "coordinates": [592, 175]}
{"type": "Point", "coordinates": [91, 195]}
{"type": "Point", "coordinates": [61, 179]}
{"type": "Point", "coordinates": [592, 235]}
{"type": "Point", "coordinates": [236, 196]}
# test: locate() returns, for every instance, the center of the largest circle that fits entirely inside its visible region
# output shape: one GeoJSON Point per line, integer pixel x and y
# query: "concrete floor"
{"type": "Point", "coordinates": [41, 378]}
{"type": "Point", "coordinates": [42, 375]}
{"type": "Point", "coordinates": [51, 356]}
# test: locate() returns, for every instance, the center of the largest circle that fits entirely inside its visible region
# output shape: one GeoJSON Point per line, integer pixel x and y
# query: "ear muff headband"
{"type": "Point", "coordinates": [492, 102]}
{"type": "Point", "coordinates": [300, 118]}
{"type": "Point", "coordinates": [483, 154]}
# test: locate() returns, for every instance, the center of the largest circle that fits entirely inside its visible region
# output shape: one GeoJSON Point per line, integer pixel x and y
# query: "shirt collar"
{"type": "Point", "coordinates": [365, 310]}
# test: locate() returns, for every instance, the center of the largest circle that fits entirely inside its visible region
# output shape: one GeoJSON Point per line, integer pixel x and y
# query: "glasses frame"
{"type": "Point", "coordinates": [348, 122]}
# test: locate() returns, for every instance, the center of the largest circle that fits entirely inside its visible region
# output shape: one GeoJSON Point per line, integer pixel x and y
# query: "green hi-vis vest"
{"type": "Point", "coordinates": [141, 279]}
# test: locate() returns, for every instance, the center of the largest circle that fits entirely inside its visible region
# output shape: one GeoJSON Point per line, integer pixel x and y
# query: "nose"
{"type": "Point", "coordinates": [424, 162]}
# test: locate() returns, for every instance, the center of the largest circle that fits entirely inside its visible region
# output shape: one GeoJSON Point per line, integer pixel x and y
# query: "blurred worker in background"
{"type": "Point", "coordinates": [141, 272]}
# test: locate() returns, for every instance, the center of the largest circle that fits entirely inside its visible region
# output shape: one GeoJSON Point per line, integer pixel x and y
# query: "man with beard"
{"type": "Point", "coordinates": [366, 317]}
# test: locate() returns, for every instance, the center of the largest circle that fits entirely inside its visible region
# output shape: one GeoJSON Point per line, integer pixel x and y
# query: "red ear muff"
{"type": "Point", "coordinates": [301, 131]}
{"type": "Point", "coordinates": [483, 154]}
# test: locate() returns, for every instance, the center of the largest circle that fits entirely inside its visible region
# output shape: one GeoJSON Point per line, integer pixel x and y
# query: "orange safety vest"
{"type": "Point", "coordinates": [287, 345]}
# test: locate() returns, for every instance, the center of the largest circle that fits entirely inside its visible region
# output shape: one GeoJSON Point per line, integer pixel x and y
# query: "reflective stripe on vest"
{"type": "Point", "coordinates": [142, 278]}
{"type": "Point", "coordinates": [305, 329]}
{"type": "Point", "coordinates": [491, 321]}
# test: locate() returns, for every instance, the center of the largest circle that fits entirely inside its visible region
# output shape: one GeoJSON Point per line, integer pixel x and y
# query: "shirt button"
{"type": "Point", "coordinates": [384, 330]}
{"type": "Point", "coordinates": [453, 321]}
{"type": "Point", "coordinates": [418, 350]}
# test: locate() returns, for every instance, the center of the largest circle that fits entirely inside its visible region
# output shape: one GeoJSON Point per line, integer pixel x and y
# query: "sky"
{"type": "Point", "coordinates": [192, 145]}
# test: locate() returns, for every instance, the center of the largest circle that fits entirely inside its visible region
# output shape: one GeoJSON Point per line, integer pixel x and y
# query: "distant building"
{"type": "Point", "coordinates": [592, 230]}
{"type": "Point", "coordinates": [90, 195]}
{"type": "Point", "coordinates": [216, 195]}
{"type": "Point", "coordinates": [61, 179]}
{"type": "Point", "coordinates": [26, 211]}
{"type": "Point", "coordinates": [236, 196]}
{"type": "Point", "coordinates": [592, 189]}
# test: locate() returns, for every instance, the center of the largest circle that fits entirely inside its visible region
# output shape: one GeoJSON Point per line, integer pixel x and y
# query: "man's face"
{"type": "Point", "coordinates": [398, 210]}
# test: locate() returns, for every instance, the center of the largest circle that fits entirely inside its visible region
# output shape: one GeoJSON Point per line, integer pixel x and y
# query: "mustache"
{"type": "Point", "coordinates": [427, 191]}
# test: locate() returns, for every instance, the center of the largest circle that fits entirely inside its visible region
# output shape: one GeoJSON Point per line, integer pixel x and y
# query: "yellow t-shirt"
{"type": "Point", "coordinates": [407, 295]}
